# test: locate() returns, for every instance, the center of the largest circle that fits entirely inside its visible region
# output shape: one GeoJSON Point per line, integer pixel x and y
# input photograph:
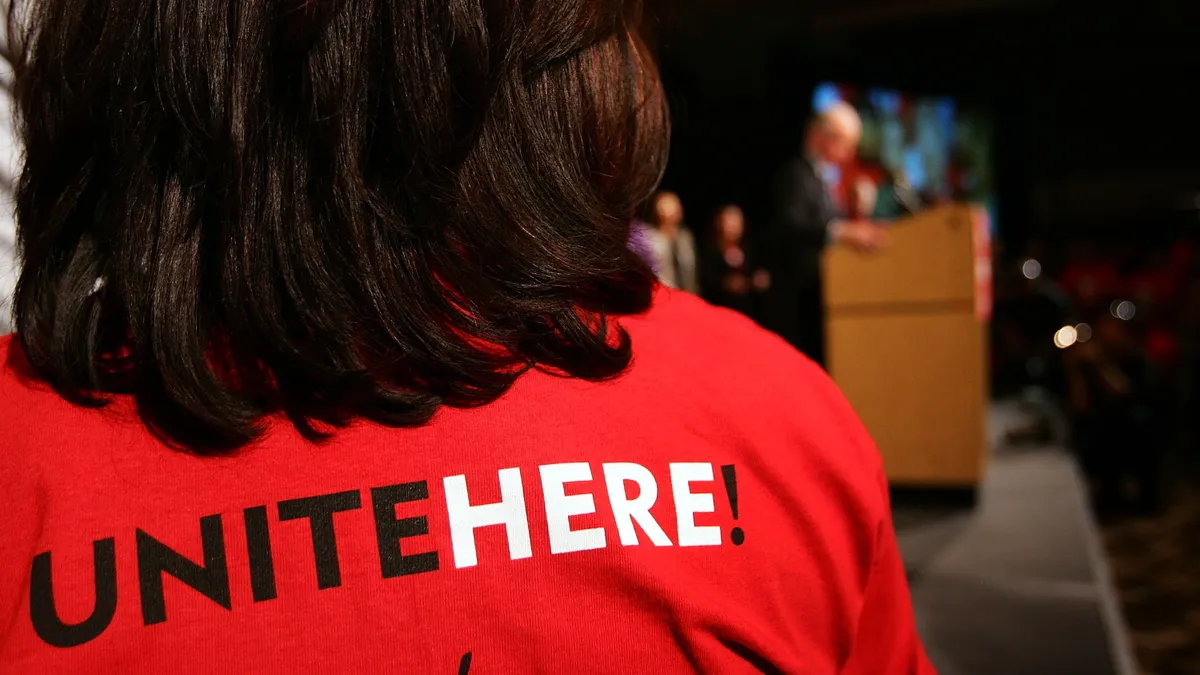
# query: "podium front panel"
{"type": "Point", "coordinates": [917, 383]}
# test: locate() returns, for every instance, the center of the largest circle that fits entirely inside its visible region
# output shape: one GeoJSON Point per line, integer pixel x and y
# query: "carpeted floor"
{"type": "Point", "coordinates": [1155, 564]}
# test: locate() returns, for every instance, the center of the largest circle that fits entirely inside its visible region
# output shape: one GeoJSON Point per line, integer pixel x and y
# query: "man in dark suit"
{"type": "Point", "coordinates": [805, 221]}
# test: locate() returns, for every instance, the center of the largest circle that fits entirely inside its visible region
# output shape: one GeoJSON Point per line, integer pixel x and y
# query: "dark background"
{"type": "Point", "coordinates": [1094, 106]}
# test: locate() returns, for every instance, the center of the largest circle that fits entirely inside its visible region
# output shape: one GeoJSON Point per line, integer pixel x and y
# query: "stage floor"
{"type": "Point", "coordinates": [1019, 584]}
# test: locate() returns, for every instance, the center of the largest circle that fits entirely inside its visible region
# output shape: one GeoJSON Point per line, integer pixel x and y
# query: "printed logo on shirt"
{"type": "Point", "coordinates": [631, 491]}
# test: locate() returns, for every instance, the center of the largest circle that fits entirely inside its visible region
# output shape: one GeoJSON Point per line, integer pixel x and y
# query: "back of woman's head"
{"type": "Point", "coordinates": [328, 208]}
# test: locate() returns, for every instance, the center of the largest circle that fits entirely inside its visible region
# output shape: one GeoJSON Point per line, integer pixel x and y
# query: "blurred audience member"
{"type": "Point", "coordinates": [1132, 389]}
{"type": "Point", "coordinates": [1088, 277]}
{"type": "Point", "coordinates": [1029, 309]}
{"type": "Point", "coordinates": [805, 221]}
{"type": "Point", "coordinates": [673, 245]}
{"type": "Point", "coordinates": [1189, 366]}
{"type": "Point", "coordinates": [730, 273]}
{"type": "Point", "coordinates": [1156, 285]}
{"type": "Point", "coordinates": [1114, 400]}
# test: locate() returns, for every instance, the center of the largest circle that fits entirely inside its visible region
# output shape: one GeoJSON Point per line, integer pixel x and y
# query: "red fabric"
{"type": "Point", "coordinates": [852, 173]}
{"type": "Point", "coordinates": [1180, 257]}
{"type": "Point", "coordinates": [982, 244]}
{"type": "Point", "coordinates": [815, 587]}
{"type": "Point", "coordinates": [1154, 286]}
{"type": "Point", "coordinates": [1089, 283]}
{"type": "Point", "coordinates": [1162, 348]}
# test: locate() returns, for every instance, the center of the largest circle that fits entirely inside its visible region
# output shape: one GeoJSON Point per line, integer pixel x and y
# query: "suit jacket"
{"type": "Point", "coordinates": [802, 211]}
{"type": "Point", "coordinates": [677, 264]}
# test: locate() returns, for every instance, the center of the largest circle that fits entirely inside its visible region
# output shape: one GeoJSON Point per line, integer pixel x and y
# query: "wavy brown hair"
{"type": "Point", "coordinates": [327, 208]}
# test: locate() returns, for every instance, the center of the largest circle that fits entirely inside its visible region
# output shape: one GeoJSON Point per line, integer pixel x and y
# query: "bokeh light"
{"type": "Point", "coordinates": [1031, 268]}
{"type": "Point", "coordinates": [1065, 337]}
{"type": "Point", "coordinates": [1123, 309]}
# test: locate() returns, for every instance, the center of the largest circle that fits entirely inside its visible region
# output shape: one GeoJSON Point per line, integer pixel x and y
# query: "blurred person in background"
{"type": "Point", "coordinates": [1189, 366]}
{"type": "Point", "coordinates": [730, 273]}
{"type": "Point", "coordinates": [1115, 403]}
{"type": "Point", "coordinates": [1155, 282]}
{"type": "Point", "coordinates": [1030, 309]}
{"type": "Point", "coordinates": [673, 244]}
{"type": "Point", "coordinates": [805, 221]}
{"type": "Point", "coordinates": [332, 356]}
{"type": "Point", "coordinates": [1089, 275]}
{"type": "Point", "coordinates": [1157, 285]}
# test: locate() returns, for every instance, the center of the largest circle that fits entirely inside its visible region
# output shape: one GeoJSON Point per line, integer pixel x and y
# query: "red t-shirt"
{"type": "Point", "coordinates": [569, 527]}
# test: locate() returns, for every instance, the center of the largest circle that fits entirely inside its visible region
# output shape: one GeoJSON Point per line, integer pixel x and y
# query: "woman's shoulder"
{"type": "Point", "coordinates": [747, 371]}
{"type": "Point", "coordinates": [714, 372]}
{"type": "Point", "coordinates": [27, 402]}
{"type": "Point", "coordinates": [687, 325]}
{"type": "Point", "coordinates": [17, 377]}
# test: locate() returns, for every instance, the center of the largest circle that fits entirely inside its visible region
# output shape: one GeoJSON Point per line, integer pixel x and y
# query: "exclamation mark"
{"type": "Point", "coordinates": [730, 475]}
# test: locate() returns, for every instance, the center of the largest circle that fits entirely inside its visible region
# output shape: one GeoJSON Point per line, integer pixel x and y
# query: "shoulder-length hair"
{"type": "Point", "coordinates": [327, 208]}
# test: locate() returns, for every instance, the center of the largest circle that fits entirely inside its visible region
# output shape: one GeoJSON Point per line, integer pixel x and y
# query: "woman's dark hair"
{"type": "Point", "coordinates": [327, 208]}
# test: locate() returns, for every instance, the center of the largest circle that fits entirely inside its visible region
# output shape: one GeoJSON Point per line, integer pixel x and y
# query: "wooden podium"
{"type": "Point", "coordinates": [905, 332]}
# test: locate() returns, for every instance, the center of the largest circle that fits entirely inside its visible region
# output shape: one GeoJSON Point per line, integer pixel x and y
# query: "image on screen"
{"type": "Point", "coordinates": [929, 147]}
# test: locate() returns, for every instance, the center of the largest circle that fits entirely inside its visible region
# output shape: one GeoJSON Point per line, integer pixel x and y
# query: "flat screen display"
{"type": "Point", "coordinates": [928, 147]}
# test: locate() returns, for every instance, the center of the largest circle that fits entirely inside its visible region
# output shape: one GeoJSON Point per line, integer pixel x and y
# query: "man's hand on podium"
{"type": "Point", "coordinates": [863, 236]}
